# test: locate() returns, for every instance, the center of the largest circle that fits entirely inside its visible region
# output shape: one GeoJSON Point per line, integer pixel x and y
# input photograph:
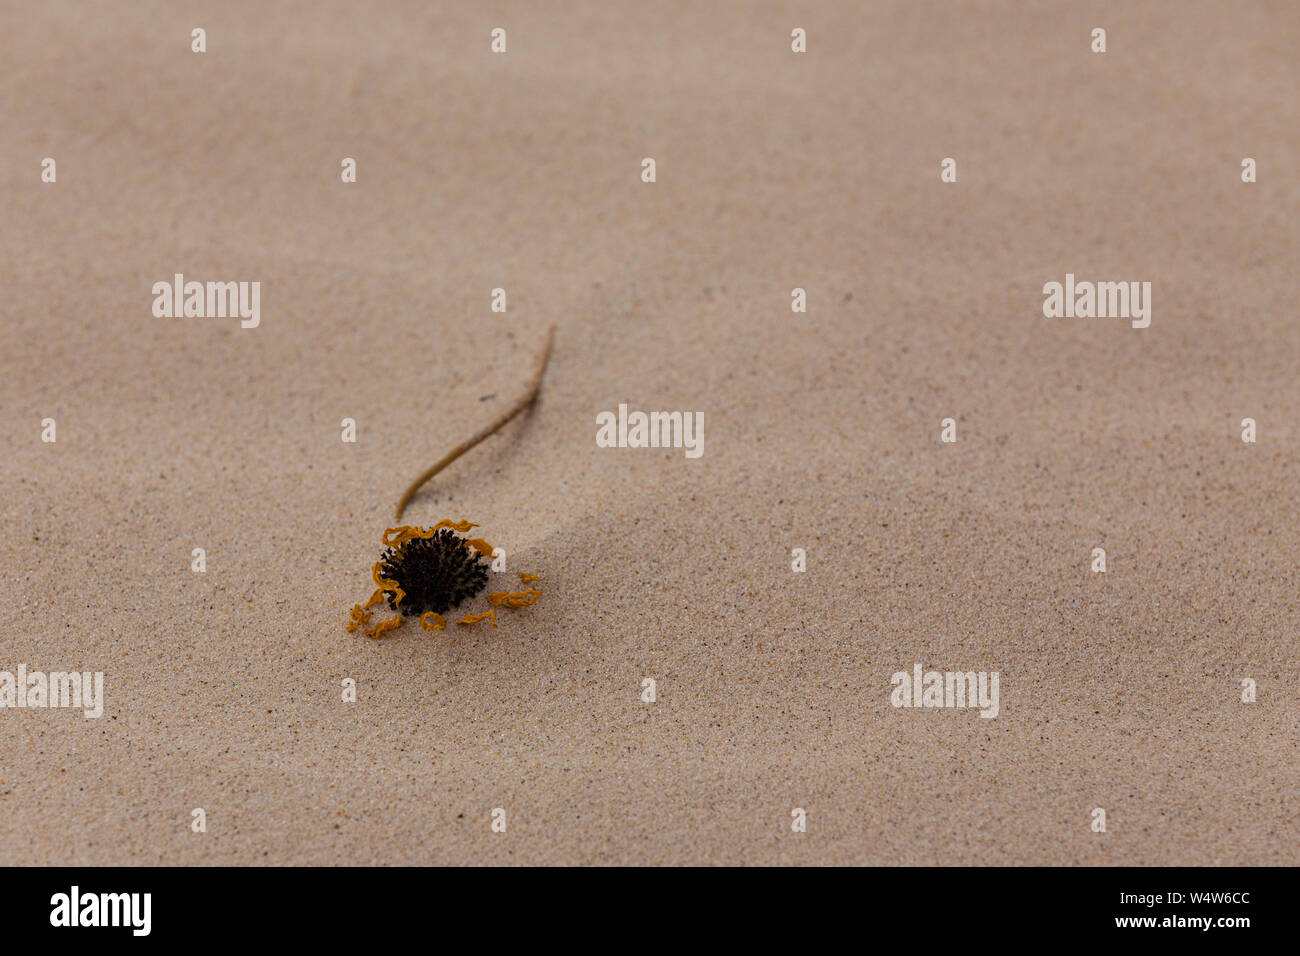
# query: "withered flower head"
{"type": "Point", "coordinates": [437, 573]}
{"type": "Point", "coordinates": [426, 571]}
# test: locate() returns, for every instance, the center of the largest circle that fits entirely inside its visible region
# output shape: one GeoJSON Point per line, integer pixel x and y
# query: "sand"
{"type": "Point", "coordinates": [775, 170]}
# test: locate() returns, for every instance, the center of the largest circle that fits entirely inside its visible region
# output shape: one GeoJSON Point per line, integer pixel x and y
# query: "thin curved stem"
{"type": "Point", "coordinates": [523, 402]}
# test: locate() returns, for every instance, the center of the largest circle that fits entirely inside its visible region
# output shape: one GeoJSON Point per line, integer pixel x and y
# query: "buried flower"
{"type": "Point", "coordinates": [427, 572]}
{"type": "Point", "coordinates": [430, 571]}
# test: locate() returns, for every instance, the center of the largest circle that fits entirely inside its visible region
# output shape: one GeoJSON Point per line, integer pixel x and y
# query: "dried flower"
{"type": "Point", "coordinates": [429, 571]}
{"type": "Point", "coordinates": [436, 574]}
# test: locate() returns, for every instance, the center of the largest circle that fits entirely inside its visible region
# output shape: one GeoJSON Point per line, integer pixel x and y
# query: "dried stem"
{"type": "Point", "coordinates": [523, 402]}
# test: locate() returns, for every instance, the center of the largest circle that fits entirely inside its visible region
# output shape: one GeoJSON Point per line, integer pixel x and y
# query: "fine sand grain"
{"type": "Point", "coordinates": [774, 170]}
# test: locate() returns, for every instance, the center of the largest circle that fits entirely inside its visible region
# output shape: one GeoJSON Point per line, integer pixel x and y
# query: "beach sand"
{"type": "Point", "coordinates": [775, 170]}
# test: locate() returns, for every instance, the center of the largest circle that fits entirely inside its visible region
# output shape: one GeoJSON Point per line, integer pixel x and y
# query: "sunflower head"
{"type": "Point", "coordinates": [436, 573]}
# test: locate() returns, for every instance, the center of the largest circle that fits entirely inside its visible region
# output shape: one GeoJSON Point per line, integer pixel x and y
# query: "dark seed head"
{"type": "Point", "coordinates": [436, 573]}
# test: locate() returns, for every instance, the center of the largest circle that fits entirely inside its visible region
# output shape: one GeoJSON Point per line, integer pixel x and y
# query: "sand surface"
{"type": "Point", "coordinates": [774, 170]}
